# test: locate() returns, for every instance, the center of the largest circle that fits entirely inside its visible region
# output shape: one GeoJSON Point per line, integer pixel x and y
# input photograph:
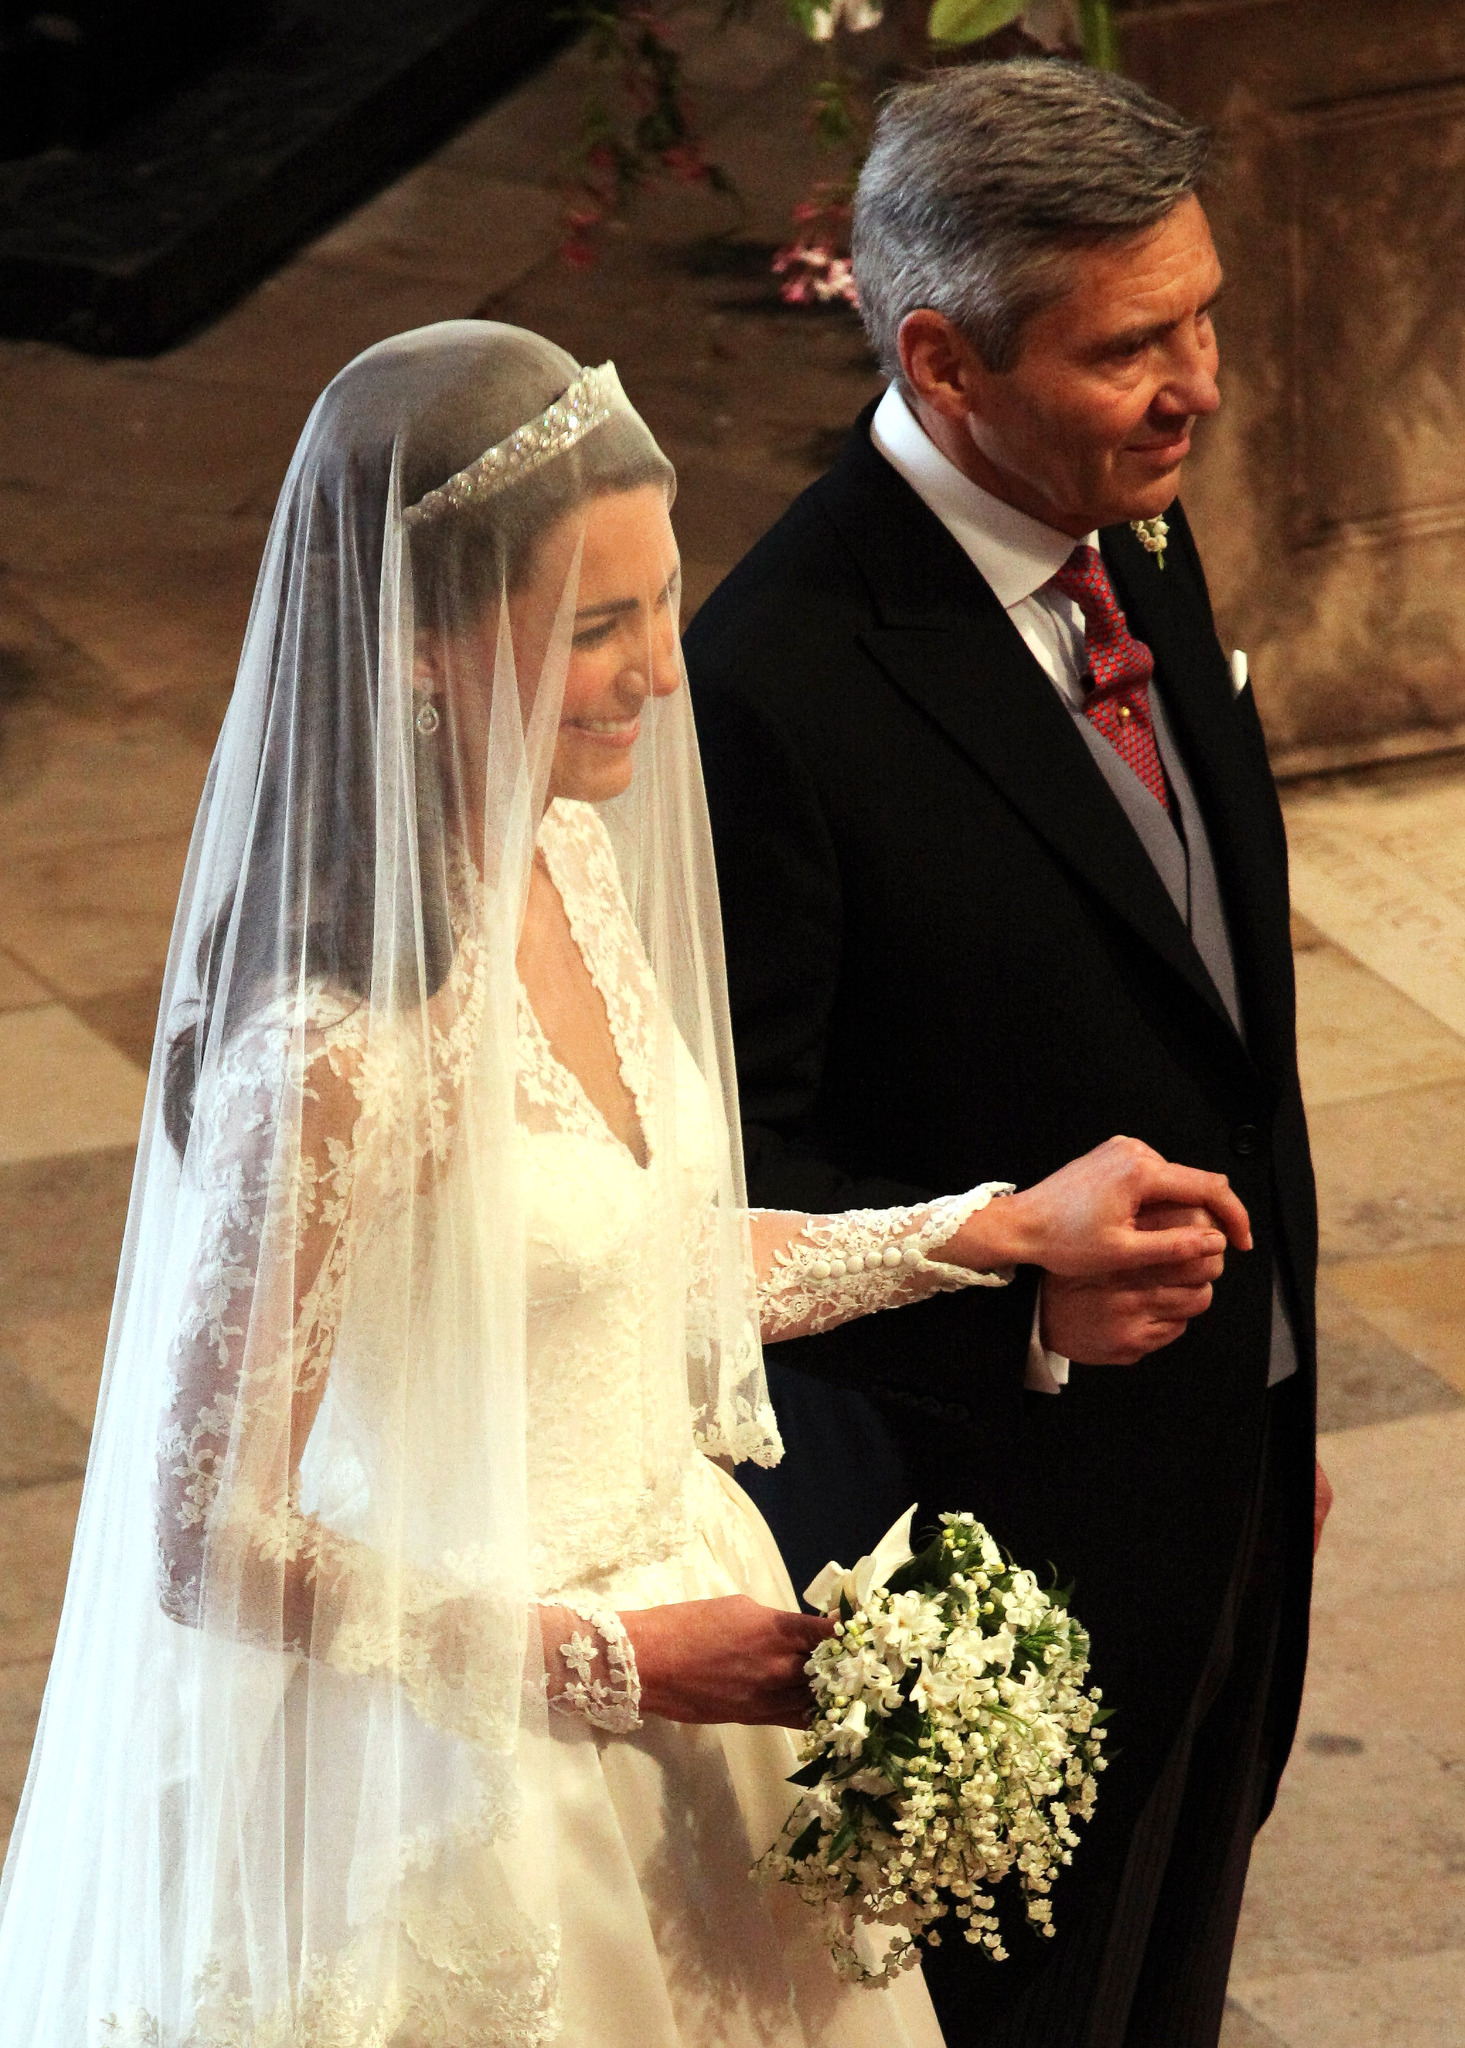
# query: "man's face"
{"type": "Point", "coordinates": [1092, 423]}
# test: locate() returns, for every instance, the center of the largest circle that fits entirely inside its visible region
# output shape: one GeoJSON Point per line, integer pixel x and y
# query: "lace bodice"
{"type": "Point", "coordinates": [613, 1435]}
{"type": "Point", "coordinates": [339, 1128]}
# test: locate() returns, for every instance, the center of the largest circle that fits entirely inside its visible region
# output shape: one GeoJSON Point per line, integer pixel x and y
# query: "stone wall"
{"type": "Point", "coordinates": [1330, 491]}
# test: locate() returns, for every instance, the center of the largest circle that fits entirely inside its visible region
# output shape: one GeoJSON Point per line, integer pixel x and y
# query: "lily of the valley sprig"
{"type": "Point", "coordinates": [1152, 535]}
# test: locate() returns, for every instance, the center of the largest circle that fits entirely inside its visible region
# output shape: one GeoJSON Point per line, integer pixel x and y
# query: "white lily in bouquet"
{"type": "Point", "coordinates": [953, 1742]}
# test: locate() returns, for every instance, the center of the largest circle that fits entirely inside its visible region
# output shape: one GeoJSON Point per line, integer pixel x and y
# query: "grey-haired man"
{"type": "Point", "coordinates": [980, 776]}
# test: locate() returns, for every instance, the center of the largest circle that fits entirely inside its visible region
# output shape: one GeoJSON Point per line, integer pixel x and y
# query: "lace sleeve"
{"type": "Point", "coordinates": [823, 1270]}
{"type": "Point", "coordinates": [593, 1676]}
{"type": "Point", "coordinates": [276, 1196]}
{"type": "Point", "coordinates": [292, 1137]}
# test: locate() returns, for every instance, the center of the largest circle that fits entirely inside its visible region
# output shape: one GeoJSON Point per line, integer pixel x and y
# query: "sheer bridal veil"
{"type": "Point", "coordinates": [289, 1783]}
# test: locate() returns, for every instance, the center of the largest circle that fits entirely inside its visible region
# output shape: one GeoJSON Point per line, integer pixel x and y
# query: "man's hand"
{"type": "Point", "coordinates": [1121, 1319]}
{"type": "Point", "coordinates": [1322, 1504]}
{"type": "Point", "coordinates": [725, 1660]}
{"type": "Point", "coordinates": [1119, 1322]}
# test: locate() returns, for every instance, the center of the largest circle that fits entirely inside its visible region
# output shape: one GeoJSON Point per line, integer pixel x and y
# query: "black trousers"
{"type": "Point", "coordinates": [1147, 1968]}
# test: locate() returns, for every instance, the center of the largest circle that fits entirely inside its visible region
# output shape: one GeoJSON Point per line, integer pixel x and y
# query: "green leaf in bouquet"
{"type": "Point", "coordinates": [929, 1570]}
{"type": "Point", "coordinates": [844, 1834]}
{"type": "Point", "coordinates": [907, 1721]}
{"type": "Point", "coordinates": [885, 1812]}
{"type": "Point", "coordinates": [805, 1843]}
{"type": "Point", "coordinates": [809, 1775]}
{"type": "Point", "coordinates": [966, 21]}
{"type": "Point", "coordinates": [905, 1686]}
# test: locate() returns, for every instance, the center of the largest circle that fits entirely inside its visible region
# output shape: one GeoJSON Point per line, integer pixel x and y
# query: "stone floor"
{"type": "Point", "coordinates": [134, 499]}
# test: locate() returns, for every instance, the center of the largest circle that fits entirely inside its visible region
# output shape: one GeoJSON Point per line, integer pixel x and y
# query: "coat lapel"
{"type": "Point", "coordinates": [947, 644]}
{"type": "Point", "coordinates": [1172, 617]}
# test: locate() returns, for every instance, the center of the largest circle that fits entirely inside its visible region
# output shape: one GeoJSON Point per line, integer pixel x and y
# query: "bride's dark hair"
{"type": "Point", "coordinates": [306, 908]}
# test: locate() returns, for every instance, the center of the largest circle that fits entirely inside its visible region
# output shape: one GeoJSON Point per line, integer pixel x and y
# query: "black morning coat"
{"type": "Point", "coordinates": [951, 961]}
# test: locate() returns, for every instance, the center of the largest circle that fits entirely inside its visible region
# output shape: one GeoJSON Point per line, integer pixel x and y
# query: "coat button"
{"type": "Point", "coordinates": [1245, 1140]}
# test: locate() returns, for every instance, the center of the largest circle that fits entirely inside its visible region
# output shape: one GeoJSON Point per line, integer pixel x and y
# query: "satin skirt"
{"type": "Point", "coordinates": [668, 1941]}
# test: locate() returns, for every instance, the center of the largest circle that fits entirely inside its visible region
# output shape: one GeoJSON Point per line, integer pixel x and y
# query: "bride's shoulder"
{"type": "Point", "coordinates": [288, 1044]}
{"type": "Point", "coordinates": [300, 1026]}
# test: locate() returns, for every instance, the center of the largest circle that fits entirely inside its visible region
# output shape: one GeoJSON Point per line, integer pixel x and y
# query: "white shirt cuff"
{"type": "Point", "coordinates": [1047, 1371]}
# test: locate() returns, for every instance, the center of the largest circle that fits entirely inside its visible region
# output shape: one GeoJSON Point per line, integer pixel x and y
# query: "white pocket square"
{"type": "Point", "coordinates": [1240, 675]}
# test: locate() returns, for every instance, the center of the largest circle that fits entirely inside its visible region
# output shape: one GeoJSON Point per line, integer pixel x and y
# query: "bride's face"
{"type": "Point", "coordinates": [624, 647]}
{"type": "Point", "coordinates": [625, 637]}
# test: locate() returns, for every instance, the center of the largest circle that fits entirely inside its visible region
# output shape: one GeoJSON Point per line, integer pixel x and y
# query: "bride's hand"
{"type": "Point", "coordinates": [724, 1660]}
{"type": "Point", "coordinates": [1096, 1218]}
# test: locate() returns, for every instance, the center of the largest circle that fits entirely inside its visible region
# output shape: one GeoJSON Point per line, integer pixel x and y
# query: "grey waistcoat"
{"type": "Point", "coordinates": [1188, 871]}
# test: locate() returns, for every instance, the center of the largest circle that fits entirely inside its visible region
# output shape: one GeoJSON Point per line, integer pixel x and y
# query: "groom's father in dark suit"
{"type": "Point", "coordinates": [1004, 873]}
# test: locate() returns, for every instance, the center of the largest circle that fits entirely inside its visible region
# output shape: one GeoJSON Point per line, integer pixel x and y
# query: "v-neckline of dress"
{"type": "Point", "coordinates": [582, 934]}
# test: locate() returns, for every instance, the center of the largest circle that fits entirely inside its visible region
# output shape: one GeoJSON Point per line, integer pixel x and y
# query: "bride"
{"type": "Point", "coordinates": [424, 1676]}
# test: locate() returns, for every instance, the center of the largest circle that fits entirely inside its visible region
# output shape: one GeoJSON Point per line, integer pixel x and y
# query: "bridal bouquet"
{"type": "Point", "coordinates": [953, 1742]}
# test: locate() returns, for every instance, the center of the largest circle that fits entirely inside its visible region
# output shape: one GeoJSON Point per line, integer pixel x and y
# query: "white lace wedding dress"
{"type": "Point", "coordinates": [665, 1940]}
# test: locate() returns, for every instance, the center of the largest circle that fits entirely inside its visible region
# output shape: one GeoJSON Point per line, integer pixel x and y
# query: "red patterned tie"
{"type": "Point", "coordinates": [1117, 685]}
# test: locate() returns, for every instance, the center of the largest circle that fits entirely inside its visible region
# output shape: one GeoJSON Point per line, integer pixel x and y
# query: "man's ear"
{"type": "Point", "coordinates": [940, 366]}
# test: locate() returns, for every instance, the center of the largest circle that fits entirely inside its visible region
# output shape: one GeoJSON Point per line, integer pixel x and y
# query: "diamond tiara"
{"type": "Point", "coordinates": [586, 404]}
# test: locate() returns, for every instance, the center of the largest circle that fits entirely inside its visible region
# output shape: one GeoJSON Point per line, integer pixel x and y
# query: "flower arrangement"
{"type": "Point", "coordinates": [811, 269]}
{"type": "Point", "coordinates": [639, 122]}
{"type": "Point", "coordinates": [953, 1743]}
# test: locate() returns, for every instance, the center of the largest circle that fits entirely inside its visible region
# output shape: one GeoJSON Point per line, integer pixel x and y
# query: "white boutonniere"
{"type": "Point", "coordinates": [1152, 535]}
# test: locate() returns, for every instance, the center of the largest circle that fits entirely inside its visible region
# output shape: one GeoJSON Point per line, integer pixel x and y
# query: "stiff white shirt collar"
{"type": "Point", "coordinates": [1015, 553]}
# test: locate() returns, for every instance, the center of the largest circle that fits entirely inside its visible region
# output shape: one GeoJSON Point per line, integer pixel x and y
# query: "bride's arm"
{"type": "Point", "coordinates": [1085, 1222]}
{"type": "Point", "coordinates": [251, 1358]}
{"type": "Point", "coordinates": [251, 1364]}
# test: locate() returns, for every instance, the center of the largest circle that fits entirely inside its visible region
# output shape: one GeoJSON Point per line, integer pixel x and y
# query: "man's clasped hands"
{"type": "Point", "coordinates": [1171, 1226]}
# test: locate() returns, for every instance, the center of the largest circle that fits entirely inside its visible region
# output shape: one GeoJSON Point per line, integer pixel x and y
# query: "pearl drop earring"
{"type": "Point", "coordinates": [427, 720]}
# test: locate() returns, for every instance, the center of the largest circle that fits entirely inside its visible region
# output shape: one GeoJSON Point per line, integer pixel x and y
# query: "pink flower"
{"type": "Point", "coordinates": [685, 164]}
{"type": "Point", "coordinates": [813, 274]}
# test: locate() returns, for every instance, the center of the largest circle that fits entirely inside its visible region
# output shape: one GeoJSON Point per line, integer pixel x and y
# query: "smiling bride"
{"type": "Point", "coordinates": [425, 1677]}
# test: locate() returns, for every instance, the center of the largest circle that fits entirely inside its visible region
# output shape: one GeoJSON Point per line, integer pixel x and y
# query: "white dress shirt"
{"type": "Point", "coordinates": [1017, 556]}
